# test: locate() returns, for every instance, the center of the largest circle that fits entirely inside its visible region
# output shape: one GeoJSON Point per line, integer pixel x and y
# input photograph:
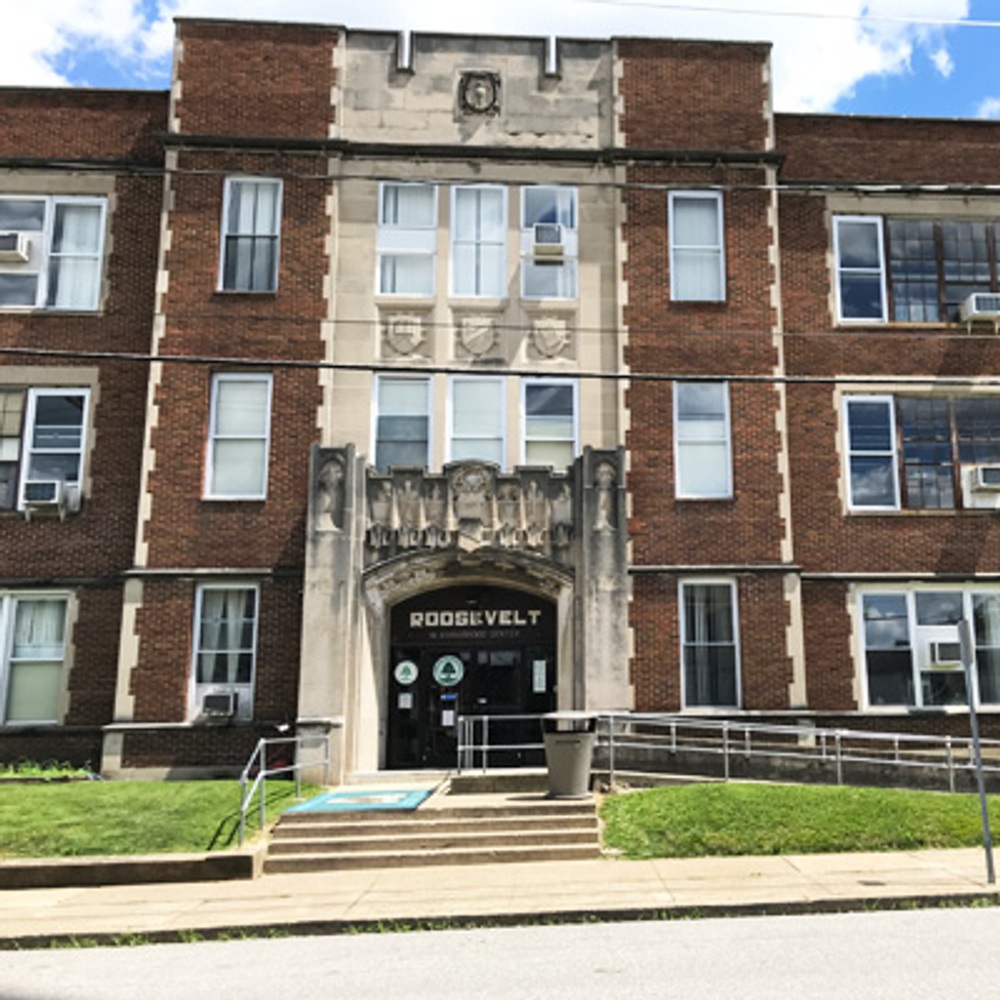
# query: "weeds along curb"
{"type": "Point", "coordinates": [331, 928]}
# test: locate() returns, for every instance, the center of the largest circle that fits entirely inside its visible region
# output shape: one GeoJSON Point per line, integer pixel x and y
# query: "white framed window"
{"type": "Point", "coordinates": [858, 249]}
{"type": "Point", "coordinates": [871, 452]}
{"type": "Point", "coordinates": [702, 447]}
{"type": "Point", "coordinates": [54, 439]}
{"type": "Point", "coordinates": [549, 242]}
{"type": "Point", "coordinates": [710, 655]}
{"type": "Point", "coordinates": [477, 419]}
{"type": "Point", "coordinates": [910, 647]}
{"type": "Point", "coordinates": [549, 420]}
{"type": "Point", "coordinates": [32, 657]}
{"type": "Point", "coordinates": [697, 247]}
{"type": "Point", "coordinates": [407, 239]}
{"type": "Point", "coordinates": [238, 437]}
{"type": "Point", "coordinates": [225, 645]}
{"type": "Point", "coordinates": [479, 241]}
{"type": "Point", "coordinates": [51, 252]}
{"type": "Point", "coordinates": [402, 422]}
{"type": "Point", "coordinates": [251, 228]}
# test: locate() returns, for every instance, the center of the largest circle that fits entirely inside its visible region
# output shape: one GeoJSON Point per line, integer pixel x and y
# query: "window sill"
{"type": "Point", "coordinates": [550, 305]}
{"type": "Point", "coordinates": [928, 512]}
{"type": "Point", "coordinates": [250, 293]}
{"type": "Point", "coordinates": [383, 301]}
{"type": "Point", "coordinates": [473, 304]}
{"type": "Point", "coordinates": [260, 501]}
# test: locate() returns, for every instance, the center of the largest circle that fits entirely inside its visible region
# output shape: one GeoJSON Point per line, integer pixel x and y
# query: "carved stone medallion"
{"type": "Point", "coordinates": [404, 334]}
{"type": "Point", "coordinates": [550, 336]}
{"type": "Point", "coordinates": [477, 335]}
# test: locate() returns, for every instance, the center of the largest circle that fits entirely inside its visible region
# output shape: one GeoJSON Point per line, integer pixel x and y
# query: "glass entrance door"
{"type": "Point", "coordinates": [469, 651]}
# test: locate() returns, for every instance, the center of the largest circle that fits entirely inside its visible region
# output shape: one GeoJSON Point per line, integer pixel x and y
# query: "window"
{"type": "Point", "coordinates": [251, 222]}
{"type": "Point", "coordinates": [239, 430]}
{"type": "Point", "coordinates": [479, 242]}
{"type": "Point", "coordinates": [42, 435]}
{"type": "Point", "coordinates": [478, 419]}
{"type": "Point", "coordinates": [912, 270]}
{"type": "Point", "coordinates": [912, 451]}
{"type": "Point", "coordinates": [709, 645]}
{"type": "Point", "coordinates": [697, 257]}
{"type": "Point", "coordinates": [225, 645]}
{"type": "Point", "coordinates": [407, 239]}
{"type": "Point", "coordinates": [51, 251]}
{"type": "Point", "coordinates": [701, 440]}
{"type": "Point", "coordinates": [549, 422]}
{"type": "Point", "coordinates": [32, 654]}
{"type": "Point", "coordinates": [402, 423]}
{"type": "Point", "coordinates": [912, 653]}
{"type": "Point", "coordinates": [549, 243]}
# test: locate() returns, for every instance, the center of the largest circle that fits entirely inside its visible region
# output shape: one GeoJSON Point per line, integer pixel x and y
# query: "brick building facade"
{"type": "Point", "coordinates": [463, 376]}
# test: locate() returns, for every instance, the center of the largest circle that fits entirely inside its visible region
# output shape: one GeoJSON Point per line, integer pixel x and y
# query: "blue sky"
{"type": "Point", "coordinates": [910, 57]}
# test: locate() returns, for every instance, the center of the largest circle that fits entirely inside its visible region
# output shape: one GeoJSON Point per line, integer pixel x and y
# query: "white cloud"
{"type": "Point", "coordinates": [817, 59]}
{"type": "Point", "coordinates": [989, 107]}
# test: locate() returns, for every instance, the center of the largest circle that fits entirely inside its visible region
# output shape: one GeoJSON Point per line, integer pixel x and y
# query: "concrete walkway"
{"type": "Point", "coordinates": [507, 893]}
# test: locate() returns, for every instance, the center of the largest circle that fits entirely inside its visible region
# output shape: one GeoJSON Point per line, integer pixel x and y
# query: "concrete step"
{"type": "Point", "coordinates": [313, 831]}
{"type": "Point", "coordinates": [334, 861]}
{"type": "Point", "coordinates": [554, 807]}
{"type": "Point", "coordinates": [433, 841]}
{"type": "Point", "coordinates": [500, 819]}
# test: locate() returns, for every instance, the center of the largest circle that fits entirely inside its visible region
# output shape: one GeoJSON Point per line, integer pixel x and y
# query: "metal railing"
{"type": "Point", "coordinates": [651, 743]}
{"type": "Point", "coordinates": [264, 764]}
{"type": "Point", "coordinates": [476, 735]}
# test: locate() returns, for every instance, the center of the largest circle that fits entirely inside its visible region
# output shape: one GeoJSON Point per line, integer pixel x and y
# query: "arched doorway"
{"type": "Point", "coordinates": [468, 650]}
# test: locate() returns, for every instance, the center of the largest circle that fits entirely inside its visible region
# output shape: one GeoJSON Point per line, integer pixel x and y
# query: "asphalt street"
{"type": "Point", "coordinates": [886, 955]}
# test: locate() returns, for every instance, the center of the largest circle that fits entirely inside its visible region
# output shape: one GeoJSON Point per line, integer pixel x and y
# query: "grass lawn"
{"type": "Point", "coordinates": [128, 817]}
{"type": "Point", "coordinates": [727, 819]}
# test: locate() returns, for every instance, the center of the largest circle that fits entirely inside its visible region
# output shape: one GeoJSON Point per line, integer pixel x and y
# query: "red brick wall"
{"type": "Point", "coordinates": [765, 669]}
{"type": "Point", "coordinates": [254, 79]}
{"type": "Point", "coordinates": [693, 95]}
{"type": "Point", "coordinates": [88, 552]}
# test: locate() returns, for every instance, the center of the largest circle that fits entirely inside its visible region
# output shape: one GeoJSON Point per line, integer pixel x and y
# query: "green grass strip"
{"type": "Point", "coordinates": [730, 819]}
{"type": "Point", "coordinates": [129, 817]}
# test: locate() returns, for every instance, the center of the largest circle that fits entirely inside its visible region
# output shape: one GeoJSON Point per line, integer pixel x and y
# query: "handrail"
{"type": "Point", "coordinates": [730, 739]}
{"type": "Point", "coordinates": [257, 765]}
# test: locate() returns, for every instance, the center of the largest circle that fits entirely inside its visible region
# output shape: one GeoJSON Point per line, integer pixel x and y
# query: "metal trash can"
{"type": "Point", "coordinates": [569, 751]}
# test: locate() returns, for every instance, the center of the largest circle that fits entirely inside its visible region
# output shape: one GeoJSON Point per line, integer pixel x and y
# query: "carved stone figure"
{"type": "Point", "coordinates": [562, 517]}
{"type": "Point", "coordinates": [604, 479]}
{"type": "Point", "coordinates": [330, 492]}
{"type": "Point", "coordinates": [436, 534]}
{"type": "Point", "coordinates": [509, 515]}
{"type": "Point", "coordinates": [380, 521]}
{"type": "Point", "coordinates": [472, 489]}
{"type": "Point", "coordinates": [408, 504]}
{"type": "Point", "coordinates": [536, 516]}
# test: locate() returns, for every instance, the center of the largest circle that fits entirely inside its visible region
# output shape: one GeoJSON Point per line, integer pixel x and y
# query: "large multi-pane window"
{"type": "Point", "coordinates": [42, 440]}
{"type": "Point", "coordinates": [479, 241]}
{"type": "Point", "coordinates": [251, 226]}
{"type": "Point", "coordinates": [912, 651]}
{"type": "Point", "coordinates": [549, 242]}
{"type": "Point", "coordinates": [697, 250]}
{"type": "Point", "coordinates": [239, 437]}
{"type": "Point", "coordinates": [549, 422]}
{"type": "Point", "coordinates": [402, 422]}
{"type": "Point", "coordinates": [32, 657]}
{"type": "Point", "coordinates": [225, 646]}
{"type": "Point", "coordinates": [709, 644]}
{"type": "Point", "coordinates": [701, 440]}
{"type": "Point", "coordinates": [477, 419]}
{"type": "Point", "coordinates": [407, 239]}
{"type": "Point", "coordinates": [912, 270]}
{"type": "Point", "coordinates": [51, 252]}
{"type": "Point", "coordinates": [912, 451]}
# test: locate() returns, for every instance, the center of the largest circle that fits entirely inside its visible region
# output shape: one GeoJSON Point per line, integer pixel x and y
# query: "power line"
{"type": "Point", "coordinates": [377, 368]}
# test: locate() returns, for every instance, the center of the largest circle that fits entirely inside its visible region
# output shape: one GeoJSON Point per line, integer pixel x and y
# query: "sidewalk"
{"type": "Point", "coordinates": [501, 893]}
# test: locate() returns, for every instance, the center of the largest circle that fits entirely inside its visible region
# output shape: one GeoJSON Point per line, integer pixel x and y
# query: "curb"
{"type": "Point", "coordinates": [401, 925]}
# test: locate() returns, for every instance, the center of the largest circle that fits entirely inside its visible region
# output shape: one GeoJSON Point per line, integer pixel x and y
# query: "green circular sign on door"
{"type": "Point", "coordinates": [448, 671]}
{"type": "Point", "coordinates": [406, 672]}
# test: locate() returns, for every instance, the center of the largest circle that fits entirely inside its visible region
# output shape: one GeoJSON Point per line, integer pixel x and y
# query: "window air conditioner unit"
{"type": "Point", "coordinates": [14, 247]}
{"type": "Point", "coordinates": [986, 477]}
{"type": "Point", "coordinates": [44, 496]}
{"type": "Point", "coordinates": [945, 655]}
{"type": "Point", "coordinates": [980, 305]}
{"type": "Point", "coordinates": [220, 704]}
{"type": "Point", "coordinates": [548, 241]}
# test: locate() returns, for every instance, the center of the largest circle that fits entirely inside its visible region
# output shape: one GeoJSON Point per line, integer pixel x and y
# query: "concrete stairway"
{"type": "Point", "coordinates": [441, 834]}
